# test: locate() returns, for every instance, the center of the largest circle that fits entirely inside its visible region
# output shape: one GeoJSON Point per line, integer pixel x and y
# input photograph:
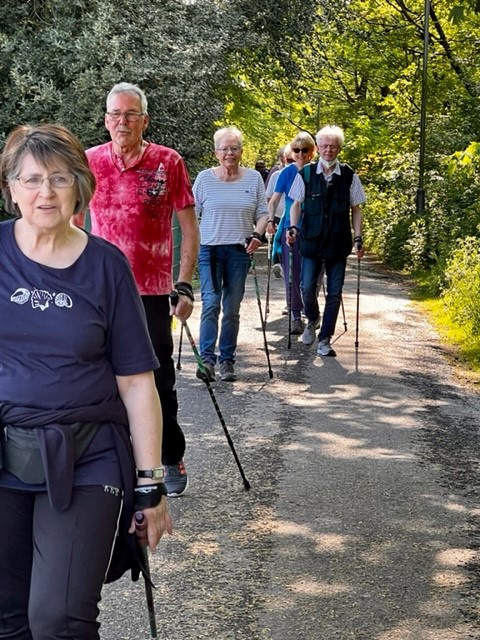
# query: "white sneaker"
{"type": "Point", "coordinates": [325, 349]}
{"type": "Point", "coordinates": [277, 270]}
{"type": "Point", "coordinates": [310, 333]}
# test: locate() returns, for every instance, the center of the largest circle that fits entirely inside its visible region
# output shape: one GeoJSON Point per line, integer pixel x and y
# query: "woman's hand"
{"type": "Point", "coordinates": [156, 522]}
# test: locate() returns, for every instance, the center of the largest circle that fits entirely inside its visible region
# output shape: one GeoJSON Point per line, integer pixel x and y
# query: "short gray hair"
{"type": "Point", "coordinates": [331, 131]}
{"type": "Point", "coordinates": [127, 87]}
{"type": "Point", "coordinates": [228, 131]}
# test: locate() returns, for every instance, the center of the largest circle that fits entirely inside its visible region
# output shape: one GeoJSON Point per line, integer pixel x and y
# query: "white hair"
{"type": "Point", "coordinates": [228, 131]}
{"type": "Point", "coordinates": [127, 87]}
{"type": "Point", "coordinates": [331, 131]}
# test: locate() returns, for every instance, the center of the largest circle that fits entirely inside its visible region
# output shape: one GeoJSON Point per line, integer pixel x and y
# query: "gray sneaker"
{"type": "Point", "coordinates": [310, 333]}
{"type": "Point", "coordinates": [209, 370]}
{"type": "Point", "coordinates": [176, 479]}
{"type": "Point", "coordinates": [227, 372]}
{"type": "Point", "coordinates": [297, 327]}
{"type": "Point", "coordinates": [325, 349]}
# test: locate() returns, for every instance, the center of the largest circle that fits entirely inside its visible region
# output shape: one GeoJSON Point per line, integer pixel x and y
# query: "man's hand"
{"type": "Point", "coordinates": [181, 301]}
{"type": "Point", "coordinates": [183, 309]}
{"type": "Point", "coordinates": [358, 247]}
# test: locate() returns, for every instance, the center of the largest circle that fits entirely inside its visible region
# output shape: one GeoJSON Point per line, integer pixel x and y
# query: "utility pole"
{"type": "Point", "coordinates": [423, 110]}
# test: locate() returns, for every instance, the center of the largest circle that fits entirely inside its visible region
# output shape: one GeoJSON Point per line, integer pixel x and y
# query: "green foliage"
{"type": "Point", "coordinates": [78, 50]}
{"type": "Point", "coordinates": [462, 289]}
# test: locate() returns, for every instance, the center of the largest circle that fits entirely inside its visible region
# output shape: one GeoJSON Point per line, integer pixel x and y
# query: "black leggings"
{"type": "Point", "coordinates": [53, 563]}
{"type": "Point", "coordinates": [159, 321]}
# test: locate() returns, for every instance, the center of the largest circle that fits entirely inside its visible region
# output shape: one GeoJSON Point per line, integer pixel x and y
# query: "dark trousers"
{"type": "Point", "coordinates": [159, 321]}
{"type": "Point", "coordinates": [53, 563]}
{"type": "Point", "coordinates": [335, 274]}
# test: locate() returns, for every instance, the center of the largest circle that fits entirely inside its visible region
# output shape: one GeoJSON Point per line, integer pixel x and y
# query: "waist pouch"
{"type": "Point", "coordinates": [21, 454]}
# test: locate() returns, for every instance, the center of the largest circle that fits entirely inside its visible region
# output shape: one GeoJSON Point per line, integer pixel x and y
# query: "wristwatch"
{"type": "Point", "coordinates": [157, 473]}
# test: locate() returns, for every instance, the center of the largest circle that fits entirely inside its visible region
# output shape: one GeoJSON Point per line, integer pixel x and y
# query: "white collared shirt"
{"type": "Point", "coordinates": [357, 194]}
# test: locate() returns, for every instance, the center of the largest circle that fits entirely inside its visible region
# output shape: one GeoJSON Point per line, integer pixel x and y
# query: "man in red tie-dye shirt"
{"type": "Point", "coordinates": [139, 186]}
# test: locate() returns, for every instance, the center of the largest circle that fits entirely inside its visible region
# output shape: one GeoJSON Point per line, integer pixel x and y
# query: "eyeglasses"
{"type": "Point", "coordinates": [130, 116]}
{"type": "Point", "coordinates": [227, 149]}
{"type": "Point", "coordinates": [56, 181]}
{"type": "Point", "coordinates": [302, 149]}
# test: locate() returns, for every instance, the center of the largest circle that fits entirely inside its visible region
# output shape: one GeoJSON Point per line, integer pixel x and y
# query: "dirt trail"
{"type": "Point", "coordinates": [362, 519]}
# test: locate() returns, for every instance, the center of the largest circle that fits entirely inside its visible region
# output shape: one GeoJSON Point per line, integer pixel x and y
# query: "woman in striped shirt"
{"type": "Point", "coordinates": [232, 209]}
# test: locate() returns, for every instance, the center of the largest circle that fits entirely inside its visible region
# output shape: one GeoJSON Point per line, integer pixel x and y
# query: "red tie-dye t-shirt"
{"type": "Point", "coordinates": [133, 208]}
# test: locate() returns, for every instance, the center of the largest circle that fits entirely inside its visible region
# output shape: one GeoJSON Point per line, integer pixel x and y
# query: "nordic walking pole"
{"type": "Point", "coordinates": [179, 364]}
{"type": "Point", "coordinates": [257, 291]}
{"type": "Point", "coordinates": [173, 302]}
{"type": "Point", "coordinates": [269, 273]}
{"type": "Point", "coordinates": [358, 305]}
{"type": "Point", "coordinates": [290, 287]}
{"type": "Point", "coordinates": [140, 525]}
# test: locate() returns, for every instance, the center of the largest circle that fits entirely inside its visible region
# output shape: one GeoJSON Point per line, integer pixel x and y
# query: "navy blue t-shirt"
{"type": "Point", "coordinates": [64, 336]}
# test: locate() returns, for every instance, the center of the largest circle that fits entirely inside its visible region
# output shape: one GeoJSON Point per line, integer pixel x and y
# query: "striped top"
{"type": "Point", "coordinates": [357, 194]}
{"type": "Point", "coordinates": [228, 211]}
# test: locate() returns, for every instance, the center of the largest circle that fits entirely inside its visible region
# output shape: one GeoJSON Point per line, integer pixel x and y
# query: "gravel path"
{"type": "Point", "coordinates": [362, 519]}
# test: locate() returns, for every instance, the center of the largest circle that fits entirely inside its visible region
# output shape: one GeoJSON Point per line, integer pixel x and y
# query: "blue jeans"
{"type": "Point", "coordinates": [223, 270]}
{"type": "Point", "coordinates": [335, 273]}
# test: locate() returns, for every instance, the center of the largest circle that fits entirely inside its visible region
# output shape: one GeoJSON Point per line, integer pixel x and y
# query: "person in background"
{"type": "Point", "coordinates": [332, 195]}
{"type": "Point", "coordinates": [80, 418]}
{"type": "Point", "coordinates": [280, 209]}
{"type": "Point", "coordinates": [303, 148]}
{"type": "Point", "coordinates": [279, 164]}
{"type": "Point", "coordinates": [139, 186]}
{"type": "Point", "coordinates": [231, 204]}
{"type": "Point", "coordinates": [262, 169]}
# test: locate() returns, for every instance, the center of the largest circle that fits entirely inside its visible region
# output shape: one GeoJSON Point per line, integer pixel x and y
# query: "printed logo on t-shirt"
{"type": "Point", "coordinates": [153, 184]}
{"type": "Point", "coordinates": [41, 299]}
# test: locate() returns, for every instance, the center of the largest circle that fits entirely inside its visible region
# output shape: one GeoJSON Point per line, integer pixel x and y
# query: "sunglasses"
{"type": "Point", "coordinates": [303, 149]}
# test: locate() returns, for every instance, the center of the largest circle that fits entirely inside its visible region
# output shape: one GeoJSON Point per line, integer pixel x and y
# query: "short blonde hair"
{"type": "Point", "coordinates": [303, 139]}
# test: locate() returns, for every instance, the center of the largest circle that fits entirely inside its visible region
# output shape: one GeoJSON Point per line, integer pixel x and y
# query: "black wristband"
{"type": "Point", "coordinates": [185, 289]}
{"type": "Point", "coordinates": [357, 239]}
{"type": "Point", "coordinates": [256, 235]}
{"type": "Point", "coordinates": [292, 228]}
{"type": "Point", "coordinates": [149, 495]}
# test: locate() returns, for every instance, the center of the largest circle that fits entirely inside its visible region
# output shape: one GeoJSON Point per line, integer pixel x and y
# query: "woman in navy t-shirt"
{"type": "Point", "coordinates": [80, 419]}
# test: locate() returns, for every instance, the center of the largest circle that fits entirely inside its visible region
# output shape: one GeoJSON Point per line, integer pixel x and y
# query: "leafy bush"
{"type": "Point", "coordinates": [462, 289]}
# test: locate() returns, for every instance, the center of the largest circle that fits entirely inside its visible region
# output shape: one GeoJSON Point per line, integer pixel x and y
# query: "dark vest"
{"type": "Point", "coordinates": [326, 228]}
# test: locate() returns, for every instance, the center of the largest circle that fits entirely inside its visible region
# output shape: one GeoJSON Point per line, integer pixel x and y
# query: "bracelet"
{"type": "Point", "coordinates": [185, 289]}
{"type": "Point", "coordinates": [272, 220]}
{"type": "Point", "coordinates": [257, 236]}
{"type": "Point", "coordinates": [149, 495]}
{"type": "Point", "coordinates": [357, 239]}
{"type": "Point", "coordinates": [292, 228]}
